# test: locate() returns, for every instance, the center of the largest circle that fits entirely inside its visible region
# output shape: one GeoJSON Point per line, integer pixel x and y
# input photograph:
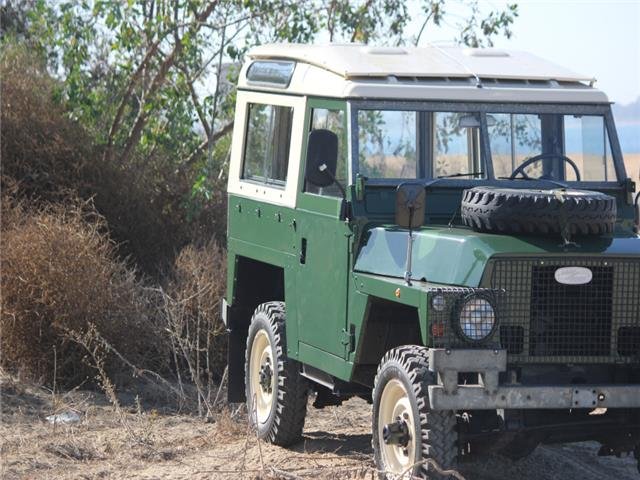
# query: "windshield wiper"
{"type": "Point", "coordinates": [468, 174]}
{"type": "Point", "coordinates": [556, 183]}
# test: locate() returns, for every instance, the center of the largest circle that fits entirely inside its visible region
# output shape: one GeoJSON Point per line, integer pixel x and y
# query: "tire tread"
{"type": "Point", "coordinates": [439, 434]}
{"type": "Point", "coordinates": [536, 212]}
{"type": "Point", "coordinates": [292, 389]}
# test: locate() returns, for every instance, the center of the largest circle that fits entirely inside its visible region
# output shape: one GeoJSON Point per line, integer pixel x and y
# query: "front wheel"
{"type": "Point", "coordinates": [276, 392]}
{"type": "Point", "coordinates": [408, 437]}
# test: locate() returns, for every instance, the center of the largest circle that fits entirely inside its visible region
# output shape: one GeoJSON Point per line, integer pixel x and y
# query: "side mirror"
{"type": "Point", "coordinates": [322, 158]}
{"type": "Point", "coordinates": [410, 205]}
{"type": "Point", "coordinates": [468, 121]}
{"type": "Point", "coordinates": [410, 208]}
{"type": "Point", "coordinates": [473, 120]}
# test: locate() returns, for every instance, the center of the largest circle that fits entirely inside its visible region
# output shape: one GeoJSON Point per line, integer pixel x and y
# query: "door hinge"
{"type": "Point", "coordinates": [630, 187]}
{"type": "Point", "coordinates": [348, 338]}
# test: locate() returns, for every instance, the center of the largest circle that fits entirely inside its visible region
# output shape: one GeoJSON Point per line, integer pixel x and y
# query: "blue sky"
{"type": "Point", "coordinates": [594, 37]}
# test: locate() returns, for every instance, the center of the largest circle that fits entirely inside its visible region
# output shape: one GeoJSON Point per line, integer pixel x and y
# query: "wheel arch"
{"type": "Point", "coordinates": [251, 283]}
{"type": "Point", "coordinates": [386, 325]}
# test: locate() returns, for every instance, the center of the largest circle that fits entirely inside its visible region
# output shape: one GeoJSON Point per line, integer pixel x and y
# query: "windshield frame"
{"type": "Point", "coordinates": [483, 108]}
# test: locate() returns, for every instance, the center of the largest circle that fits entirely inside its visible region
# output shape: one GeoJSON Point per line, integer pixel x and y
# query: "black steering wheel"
{"type": "Point", "coordinates": [543, 156]}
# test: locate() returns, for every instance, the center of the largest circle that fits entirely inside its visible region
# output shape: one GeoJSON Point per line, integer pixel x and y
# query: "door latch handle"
{"type": "Point", "coordinates": [303, 251]}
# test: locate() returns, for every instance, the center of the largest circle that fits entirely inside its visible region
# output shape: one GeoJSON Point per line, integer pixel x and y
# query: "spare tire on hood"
{"type": "Point", "coordinates": [538, 212]}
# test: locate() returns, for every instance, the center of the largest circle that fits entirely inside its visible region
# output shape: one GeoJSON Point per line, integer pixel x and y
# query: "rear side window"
{"type": "Point", "coordinates": [268, 138]}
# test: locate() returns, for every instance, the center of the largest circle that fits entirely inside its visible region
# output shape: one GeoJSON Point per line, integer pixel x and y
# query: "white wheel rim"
{"type": "Point", "coordinates": [394, 404]}
{"type": "Point", "coordinates": [261, 357]}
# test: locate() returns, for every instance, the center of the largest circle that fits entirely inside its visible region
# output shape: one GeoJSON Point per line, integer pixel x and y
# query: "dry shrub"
{"type": "Point", "coordinates": [59, 273]}
{"type": "Point", "coordinates": [41, 147]}
{"type": "Point", "coordinates": [192, 314]}
{"type": "Point", "coordinates": [50, 154]}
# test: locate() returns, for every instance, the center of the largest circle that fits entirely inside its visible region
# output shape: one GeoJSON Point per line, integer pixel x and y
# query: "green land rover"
{"type": "Point", "coordinates": [448, 233]}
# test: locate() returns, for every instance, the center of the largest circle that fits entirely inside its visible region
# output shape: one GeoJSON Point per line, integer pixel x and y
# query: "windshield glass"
{"type": "Point", "coordinates": [388, 144]}
{"type": "Point", "coordinates": [514, 138]}
{"type": "Point", "coordinates": [406, 144]}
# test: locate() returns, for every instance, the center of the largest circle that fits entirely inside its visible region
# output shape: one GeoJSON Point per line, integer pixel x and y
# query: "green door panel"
{"type": "Point", "coordinates": [322, 271]}
{"type": "Point", "coordinates": [322, 275]}
{"type": "Point", "coordinates": [258, 252]}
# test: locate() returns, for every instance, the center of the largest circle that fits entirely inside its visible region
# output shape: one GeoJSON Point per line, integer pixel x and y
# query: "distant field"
{"type": "Point", "coordinates": [398, 166]}
{"type": "Point", "coordinates": [632, 162]}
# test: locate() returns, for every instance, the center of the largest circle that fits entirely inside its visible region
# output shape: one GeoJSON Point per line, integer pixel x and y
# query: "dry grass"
{"type": "Point", "coordinates": [142, 442]}
{"type": "Point", "coordinates": [60, 273]}
{"type": "Point", "coordinates": [62, 206]}
{"type": "Point", "coordinates": [72, 310]}
{"type": "Point", "coordinates": [41, 147]}
{"type": "Point", "coordinates": [336, 445]}
{"type": "Point", "coordinates": [191, 315]}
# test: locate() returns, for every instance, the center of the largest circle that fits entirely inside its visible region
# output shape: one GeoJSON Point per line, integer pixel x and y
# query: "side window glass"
{"type": "Point", "coordinates": [266, 156]}
{"type": "Point", "coordinates": [322, 118]}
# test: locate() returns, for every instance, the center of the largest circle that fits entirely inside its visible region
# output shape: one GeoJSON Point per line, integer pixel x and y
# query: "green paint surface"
{"type": "Point", "coordinates": [458, 256]}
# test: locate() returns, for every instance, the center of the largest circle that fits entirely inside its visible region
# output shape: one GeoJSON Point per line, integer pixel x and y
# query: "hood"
{"type": "Point", "coordinates": [458, 256]}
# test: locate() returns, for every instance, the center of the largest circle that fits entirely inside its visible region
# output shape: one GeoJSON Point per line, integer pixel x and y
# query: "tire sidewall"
{"type": "Point", "coordinates": [260, 322]}
{"type": "Point", "coordinates": [512, 211]}
{"type": "Point", "coordinates": [393, 370]}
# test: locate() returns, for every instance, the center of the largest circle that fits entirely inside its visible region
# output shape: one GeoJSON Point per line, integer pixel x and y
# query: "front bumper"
{"type": "Point", "coordinates": [488, 394]}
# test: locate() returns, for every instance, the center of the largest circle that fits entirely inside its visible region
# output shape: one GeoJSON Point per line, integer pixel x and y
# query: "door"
{"type": "Point", "coordinates": [323, 242]}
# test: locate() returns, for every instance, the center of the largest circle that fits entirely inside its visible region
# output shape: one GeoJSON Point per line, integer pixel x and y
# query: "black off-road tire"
{"type": "Point", "coordinates": [538, 212]}
{"type": "Point", "coordinates": [289, 407]}
{"type": "Point", "coordinates": [436, 431]}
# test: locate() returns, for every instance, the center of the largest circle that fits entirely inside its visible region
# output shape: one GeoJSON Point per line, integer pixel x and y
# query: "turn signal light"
{"type": "Point", "coordinates": [437, 329]}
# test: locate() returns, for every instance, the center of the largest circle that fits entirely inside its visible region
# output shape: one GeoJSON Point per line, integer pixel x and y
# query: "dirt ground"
{"type": "Point", "coordinates": [139, 442]}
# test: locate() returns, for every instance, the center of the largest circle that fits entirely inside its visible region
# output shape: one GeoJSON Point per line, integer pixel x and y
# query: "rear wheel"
{"type": "Point", "coordinates": [276, 392]}
{"type": "Point", "coordinates": [409, 437]}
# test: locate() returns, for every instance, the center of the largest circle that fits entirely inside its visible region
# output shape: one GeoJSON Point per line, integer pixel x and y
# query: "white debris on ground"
{"type": "Point", "coordinates": [65, 417]}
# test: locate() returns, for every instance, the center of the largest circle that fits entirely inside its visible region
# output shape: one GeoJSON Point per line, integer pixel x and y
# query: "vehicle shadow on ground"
{"type": "Point", "coordinates": [337, 443]}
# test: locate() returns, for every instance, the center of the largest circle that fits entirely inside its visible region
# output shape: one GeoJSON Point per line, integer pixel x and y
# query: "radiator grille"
{"type": "Point", "coordinates": [570, 319]}
{"type": "Point", "coordinates": [546, 321]}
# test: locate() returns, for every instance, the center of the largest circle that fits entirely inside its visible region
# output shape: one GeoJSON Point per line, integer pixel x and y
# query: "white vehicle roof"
{"type": "Point", "coordinates": [425, 73]}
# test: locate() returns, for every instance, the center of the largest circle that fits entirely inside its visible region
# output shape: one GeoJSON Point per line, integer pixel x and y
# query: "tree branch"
{"type": "Point", "coordinates": [196, 103]}
{"type": "Point", "coordinates": [200, 149]}
{"type": "Point", "coordinates": [136, 130]}
{"type": "Point", "coordinates": [424, 24]}
{"type": "Point", "coordinates": [127, 95]}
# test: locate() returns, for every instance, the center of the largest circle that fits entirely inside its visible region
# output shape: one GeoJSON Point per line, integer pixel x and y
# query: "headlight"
{"type": "Point", "coordinates": [477, 318]}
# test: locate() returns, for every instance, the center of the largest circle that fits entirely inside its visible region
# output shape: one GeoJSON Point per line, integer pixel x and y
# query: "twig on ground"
{"type": "Point", "coordinates": [436, 467]}
{"type": "Point", "coordinates": [222, 380]}
{"type": "Point", "coordinates": [255, 412]}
